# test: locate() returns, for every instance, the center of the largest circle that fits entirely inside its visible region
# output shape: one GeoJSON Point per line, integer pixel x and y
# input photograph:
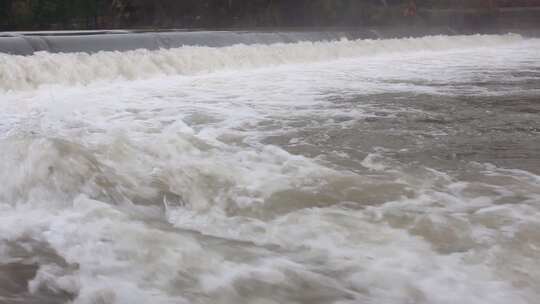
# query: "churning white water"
{"type": "Point", "coordinates": [21, 72]}
{"type": "Point", "coordinates": [369, 171]}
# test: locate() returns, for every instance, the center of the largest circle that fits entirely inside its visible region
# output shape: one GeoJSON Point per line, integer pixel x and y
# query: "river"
{"type": "Point", "coordinates": [352, 171]}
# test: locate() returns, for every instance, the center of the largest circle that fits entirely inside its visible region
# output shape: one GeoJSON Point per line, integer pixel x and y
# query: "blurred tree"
{"type": "Point", "coordinates": [49, 12]}
{"type": "Point", "coordinates": [5, 8]}
{"type": "Point", "coordinates": [85, 13]}
{"type": "Point", "coordinates": [70, 14]}
{"type": "Point", "coordinates": [21, 13]}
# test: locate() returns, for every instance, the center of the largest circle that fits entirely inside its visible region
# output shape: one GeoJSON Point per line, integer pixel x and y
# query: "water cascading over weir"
{"type": "Point", "coordinates": [28, 43]}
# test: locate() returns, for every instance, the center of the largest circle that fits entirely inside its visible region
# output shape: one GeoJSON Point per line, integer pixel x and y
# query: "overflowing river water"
{"type": "Point", "coordinates": [368, 171]}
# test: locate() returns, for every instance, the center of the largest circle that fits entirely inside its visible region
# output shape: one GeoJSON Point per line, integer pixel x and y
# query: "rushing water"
{"type": "Point", "coordinates": [388, 171]}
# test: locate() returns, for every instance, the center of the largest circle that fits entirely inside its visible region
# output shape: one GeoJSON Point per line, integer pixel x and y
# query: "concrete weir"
{"type": "Point", "coordinates": [27, 43]}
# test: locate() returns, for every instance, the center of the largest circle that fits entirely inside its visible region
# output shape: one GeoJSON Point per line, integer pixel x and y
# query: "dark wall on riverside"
{"type": "Point", "coordinates": [152, 14]}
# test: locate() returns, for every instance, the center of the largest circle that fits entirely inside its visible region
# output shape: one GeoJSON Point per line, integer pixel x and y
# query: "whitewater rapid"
{"type": "Point", "coordinates": [366, 171]}
{"type": "Point", "coordinates": [25, 72]}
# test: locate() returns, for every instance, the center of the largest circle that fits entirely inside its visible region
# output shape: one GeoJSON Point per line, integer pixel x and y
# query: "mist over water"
{"type": "Point", "coordinates": [369, 171]}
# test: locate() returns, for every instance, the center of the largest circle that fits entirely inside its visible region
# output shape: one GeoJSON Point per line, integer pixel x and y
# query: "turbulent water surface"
{"type": "Point", "coordinates": [370, 171]}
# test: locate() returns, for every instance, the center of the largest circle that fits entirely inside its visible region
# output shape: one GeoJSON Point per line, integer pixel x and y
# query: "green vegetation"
{"type": "Point", "coordinates": [37, 14]}
{"type": "Point", "coordinates": [89, 14]}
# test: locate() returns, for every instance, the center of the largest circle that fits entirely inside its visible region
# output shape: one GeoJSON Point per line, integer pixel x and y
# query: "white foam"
{"type": "Point", "coordinates": [26, 72]}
